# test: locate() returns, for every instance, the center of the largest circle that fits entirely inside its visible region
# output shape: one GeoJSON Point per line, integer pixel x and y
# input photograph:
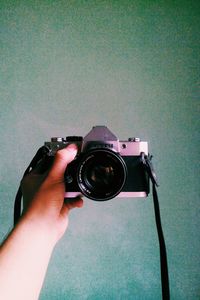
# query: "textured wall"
{"type": "Point", "coordinates": [133, 66]}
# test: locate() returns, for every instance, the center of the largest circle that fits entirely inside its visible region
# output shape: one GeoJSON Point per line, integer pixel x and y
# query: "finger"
{"type": "Point", "coordinates": [62, 159]}
{"type": "Point", "coordinates": [74, 202]}
{"type": "Point", "coordinates": [70, 204]}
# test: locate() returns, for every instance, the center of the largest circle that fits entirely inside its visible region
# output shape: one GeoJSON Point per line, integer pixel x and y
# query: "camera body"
{"type": "Point", "coordinates": [105, 167]}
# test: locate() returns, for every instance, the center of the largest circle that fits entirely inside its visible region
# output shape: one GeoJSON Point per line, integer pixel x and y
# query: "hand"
{"type": "Point", "coordinates": [43, 195]}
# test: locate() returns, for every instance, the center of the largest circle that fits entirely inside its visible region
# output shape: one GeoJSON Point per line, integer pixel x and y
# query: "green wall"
{"type": "Point", "coordinates": [133, 66]}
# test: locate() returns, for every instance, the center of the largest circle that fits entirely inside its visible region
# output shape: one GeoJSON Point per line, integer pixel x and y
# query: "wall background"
{"type": "Point", "coordinates": [130, 65]}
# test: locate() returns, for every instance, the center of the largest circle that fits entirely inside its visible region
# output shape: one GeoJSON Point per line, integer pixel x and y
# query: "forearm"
{"type": "Point", "coordinates": [24, 259]}
{"type": "Point", "coordinates": [25, 254]}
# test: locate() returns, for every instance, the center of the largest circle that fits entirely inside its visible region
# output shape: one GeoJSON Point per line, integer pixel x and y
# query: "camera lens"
{"type": "Point", "coordinates": [101, 174]}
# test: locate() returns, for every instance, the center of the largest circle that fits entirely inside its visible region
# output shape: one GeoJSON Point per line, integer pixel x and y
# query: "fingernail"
{"type": "Point", "coordinates": [72, 148]}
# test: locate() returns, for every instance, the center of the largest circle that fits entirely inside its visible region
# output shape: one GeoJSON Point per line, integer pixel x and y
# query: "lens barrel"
{"type": "Point", "coordinates": [101, 174]}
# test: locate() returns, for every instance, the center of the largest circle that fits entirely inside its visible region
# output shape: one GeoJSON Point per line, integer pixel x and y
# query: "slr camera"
{"type": "Point", "coordinates": [104, 167]}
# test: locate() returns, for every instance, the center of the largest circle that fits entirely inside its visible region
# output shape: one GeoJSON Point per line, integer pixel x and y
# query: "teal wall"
{"type": "Point", "coordinates": [133, 66]}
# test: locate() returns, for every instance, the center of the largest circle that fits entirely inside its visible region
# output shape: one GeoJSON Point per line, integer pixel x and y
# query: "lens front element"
{"type": "Point", "coordinates": [101, 174]}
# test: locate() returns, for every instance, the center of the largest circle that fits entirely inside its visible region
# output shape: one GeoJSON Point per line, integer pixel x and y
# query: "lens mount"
{"type": "Point", "coordinates": [101, 174]}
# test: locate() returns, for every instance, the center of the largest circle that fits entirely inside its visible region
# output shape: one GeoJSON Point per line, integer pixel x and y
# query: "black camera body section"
{"type": "Point", "coordinates": [104, 167]}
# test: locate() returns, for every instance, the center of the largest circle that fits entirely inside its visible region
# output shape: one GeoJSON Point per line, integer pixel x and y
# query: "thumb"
{"type": "Point", "coordinates": [62, 159]}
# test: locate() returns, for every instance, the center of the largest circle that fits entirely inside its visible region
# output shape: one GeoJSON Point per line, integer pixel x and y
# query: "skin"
{"type": "Point", "coordinates": [25, 254]}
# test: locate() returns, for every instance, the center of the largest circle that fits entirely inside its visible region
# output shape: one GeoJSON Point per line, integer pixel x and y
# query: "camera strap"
{"type": "Point", "coordinates": [146, 161]}
{"type": "Point", "coordinates": [17, 204]}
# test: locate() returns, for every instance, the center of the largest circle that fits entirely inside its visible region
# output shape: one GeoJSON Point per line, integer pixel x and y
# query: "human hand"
{"type": "Point", "coordinates": [43, 195]}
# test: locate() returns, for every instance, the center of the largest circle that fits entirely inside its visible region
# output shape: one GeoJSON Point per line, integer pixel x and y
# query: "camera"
{"type": "Point", "coordinates": [105, 167]}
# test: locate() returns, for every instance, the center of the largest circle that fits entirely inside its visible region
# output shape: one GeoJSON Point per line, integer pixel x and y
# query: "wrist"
{"type": "Point", "coordinates": [40, 228]}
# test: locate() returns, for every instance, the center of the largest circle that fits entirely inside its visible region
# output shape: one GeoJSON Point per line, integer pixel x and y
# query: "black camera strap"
{"type": "Point", "coordinates": [17, 204]}
{"type": "Point", "coordinates": [146, 161]}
